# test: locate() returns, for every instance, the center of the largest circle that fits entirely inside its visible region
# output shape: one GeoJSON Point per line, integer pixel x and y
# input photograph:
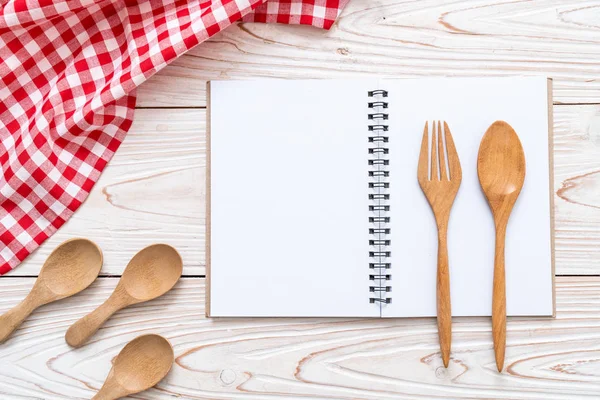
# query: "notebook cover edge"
{"type": "Point", "coordinates": [552, 216]}
{"type": "Point", "coordinates": [207, 199]}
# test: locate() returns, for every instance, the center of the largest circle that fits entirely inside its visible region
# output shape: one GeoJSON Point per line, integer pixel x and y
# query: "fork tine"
{"type": "Point", "coordinates": [434, 160]}
{"type": "Point", "coordinates": [453, 161]}
{"type": "Point", "coordinates": [442, 159]}
{"type": "Point", "coordinates": [423, 167]}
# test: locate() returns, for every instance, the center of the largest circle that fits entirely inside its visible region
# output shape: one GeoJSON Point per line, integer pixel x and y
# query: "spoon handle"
{"type": "Point", "coordinates": [499, 299]}
{"type": "Point", "coordinates": [10, 320]}
{"type": "Point", "coordinates": [444, 310]}
{"type": "Point", "coordinates": [83, 329]}
{"type": "Point", "coordinates": [110, 390]}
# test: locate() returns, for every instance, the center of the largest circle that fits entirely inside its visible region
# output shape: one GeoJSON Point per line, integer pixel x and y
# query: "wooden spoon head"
{"type": "Point", "coordinates": [152, 272]}
{"type": "Point", "coordinates": [501, 166]}
{"type": "Point", "coordinates": [71, 267]}
{"type": "Point", "coordinates": [143, 363]}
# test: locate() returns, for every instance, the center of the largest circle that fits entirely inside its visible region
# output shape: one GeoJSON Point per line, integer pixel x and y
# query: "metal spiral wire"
{"type": "Point", "coordinates": [379, 198]}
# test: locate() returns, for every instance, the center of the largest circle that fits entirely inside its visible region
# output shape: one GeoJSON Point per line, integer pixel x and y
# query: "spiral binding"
{"type": "Point", "coordinates": [379, 207]}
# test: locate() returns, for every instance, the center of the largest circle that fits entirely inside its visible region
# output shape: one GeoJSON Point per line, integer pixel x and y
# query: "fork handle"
{"type": "Point", "coordinates": [444, 310]}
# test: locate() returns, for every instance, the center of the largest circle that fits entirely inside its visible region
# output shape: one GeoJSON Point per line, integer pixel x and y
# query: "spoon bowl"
{"type": "Point", "coordinates": [501, 171]}
{"type": "Point", "coordinates": [69, 269]}
{"type": "Point", "coordinates": [142, 364]}
{"type": "Point", "coordinates": [501, 166]}
{"type": "Point", "coordinates": [84, 259]}
{"type": "Point", "coordinates": [152, 272]}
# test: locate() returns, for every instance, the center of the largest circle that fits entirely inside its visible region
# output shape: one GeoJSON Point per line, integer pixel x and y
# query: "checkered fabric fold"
{"type": "Point", "coordinates": [68, 74]}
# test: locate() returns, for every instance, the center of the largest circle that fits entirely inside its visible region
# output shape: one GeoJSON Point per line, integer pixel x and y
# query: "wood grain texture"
{"type": "Point", "coordinates": [577, 189]}
{"type": "Point", "coordinates": [151, 273]}
{"type": "Point", "coordinates": [153, 191]}
{"type": "Point", "coordinates": [501, 170]}
{"type": "Point", "coordinates": [403, 38]}
{"type": "Point", "coordinates": [307, 358]}
{"type": "Point", "coordinates": [142, 364]}
{"type": "Point", "coordinates": [440, 188]}
{"type": "Point", "coordinates": [70, 269]}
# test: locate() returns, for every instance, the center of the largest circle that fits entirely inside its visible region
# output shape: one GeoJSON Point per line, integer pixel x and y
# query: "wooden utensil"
{"type": "Point", "coordinates": [501, 170]}
{"type": "Point", "coordinates": [440, 188]}
{"type": "Point", "coordinates": [142, 363]}
{"type": "Point", "coordinates": [69, 269]}
{"type": "Point", "coordinates": [152, 272]}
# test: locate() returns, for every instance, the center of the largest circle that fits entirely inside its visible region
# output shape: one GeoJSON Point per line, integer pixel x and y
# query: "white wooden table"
{"type": "Point", "coordinates": [153, 191]}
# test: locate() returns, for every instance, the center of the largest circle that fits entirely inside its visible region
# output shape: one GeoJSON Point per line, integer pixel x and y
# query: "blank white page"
{"type": "Point", "coordinates": [289, 205]}
{"type": "Point", "coordinates": [469, 106]}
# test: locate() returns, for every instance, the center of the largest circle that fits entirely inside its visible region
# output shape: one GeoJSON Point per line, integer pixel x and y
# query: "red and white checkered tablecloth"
{"type": "Point", "coordinates": [68, 74]}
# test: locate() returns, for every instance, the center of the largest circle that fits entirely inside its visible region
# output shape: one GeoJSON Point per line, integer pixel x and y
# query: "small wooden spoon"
{"type": "Point", "coordinates": [142, 363]}
{"type": "Point", "coordinates": [152, 272]}
{"type": "Point", "coordinates": [69, 269]}
{"type": "Point", "coordinates": [501, 170]}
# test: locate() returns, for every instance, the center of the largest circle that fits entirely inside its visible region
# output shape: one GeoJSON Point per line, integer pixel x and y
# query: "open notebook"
{"type": "Point", "coordinates": [291, 227]}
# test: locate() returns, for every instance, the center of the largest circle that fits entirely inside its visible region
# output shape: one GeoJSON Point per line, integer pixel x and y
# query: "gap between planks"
{"type": "Point", "coordinates": [173, 108]}
{"type": "Point", "coordinates": [204, 107]}
{"type": "Point", "coordinates": [113, 276]}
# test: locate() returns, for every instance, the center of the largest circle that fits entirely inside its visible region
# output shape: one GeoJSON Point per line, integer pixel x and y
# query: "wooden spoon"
{"type": "Point", "coordinates": [501, 170]}
{"type": "Point", "coordinates": [142, 363]}
{"type": "Point", "coordinates": [152, 272]}
{"type": "Point", "coordinates": [69, 269]}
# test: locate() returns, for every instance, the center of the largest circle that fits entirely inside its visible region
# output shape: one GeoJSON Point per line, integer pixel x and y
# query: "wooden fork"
{"type": "Point", "coordinates": [440, 188]}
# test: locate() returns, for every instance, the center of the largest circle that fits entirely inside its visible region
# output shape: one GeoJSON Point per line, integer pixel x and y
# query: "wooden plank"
{"type": "Point", "coordinates": [577, 189]}
{"type": "Point", "coordinates": [402, 38]}
{"type": "Point", "coordinates": [153, 191]}
{"type": "Point", "coordinates": [307, 358]}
